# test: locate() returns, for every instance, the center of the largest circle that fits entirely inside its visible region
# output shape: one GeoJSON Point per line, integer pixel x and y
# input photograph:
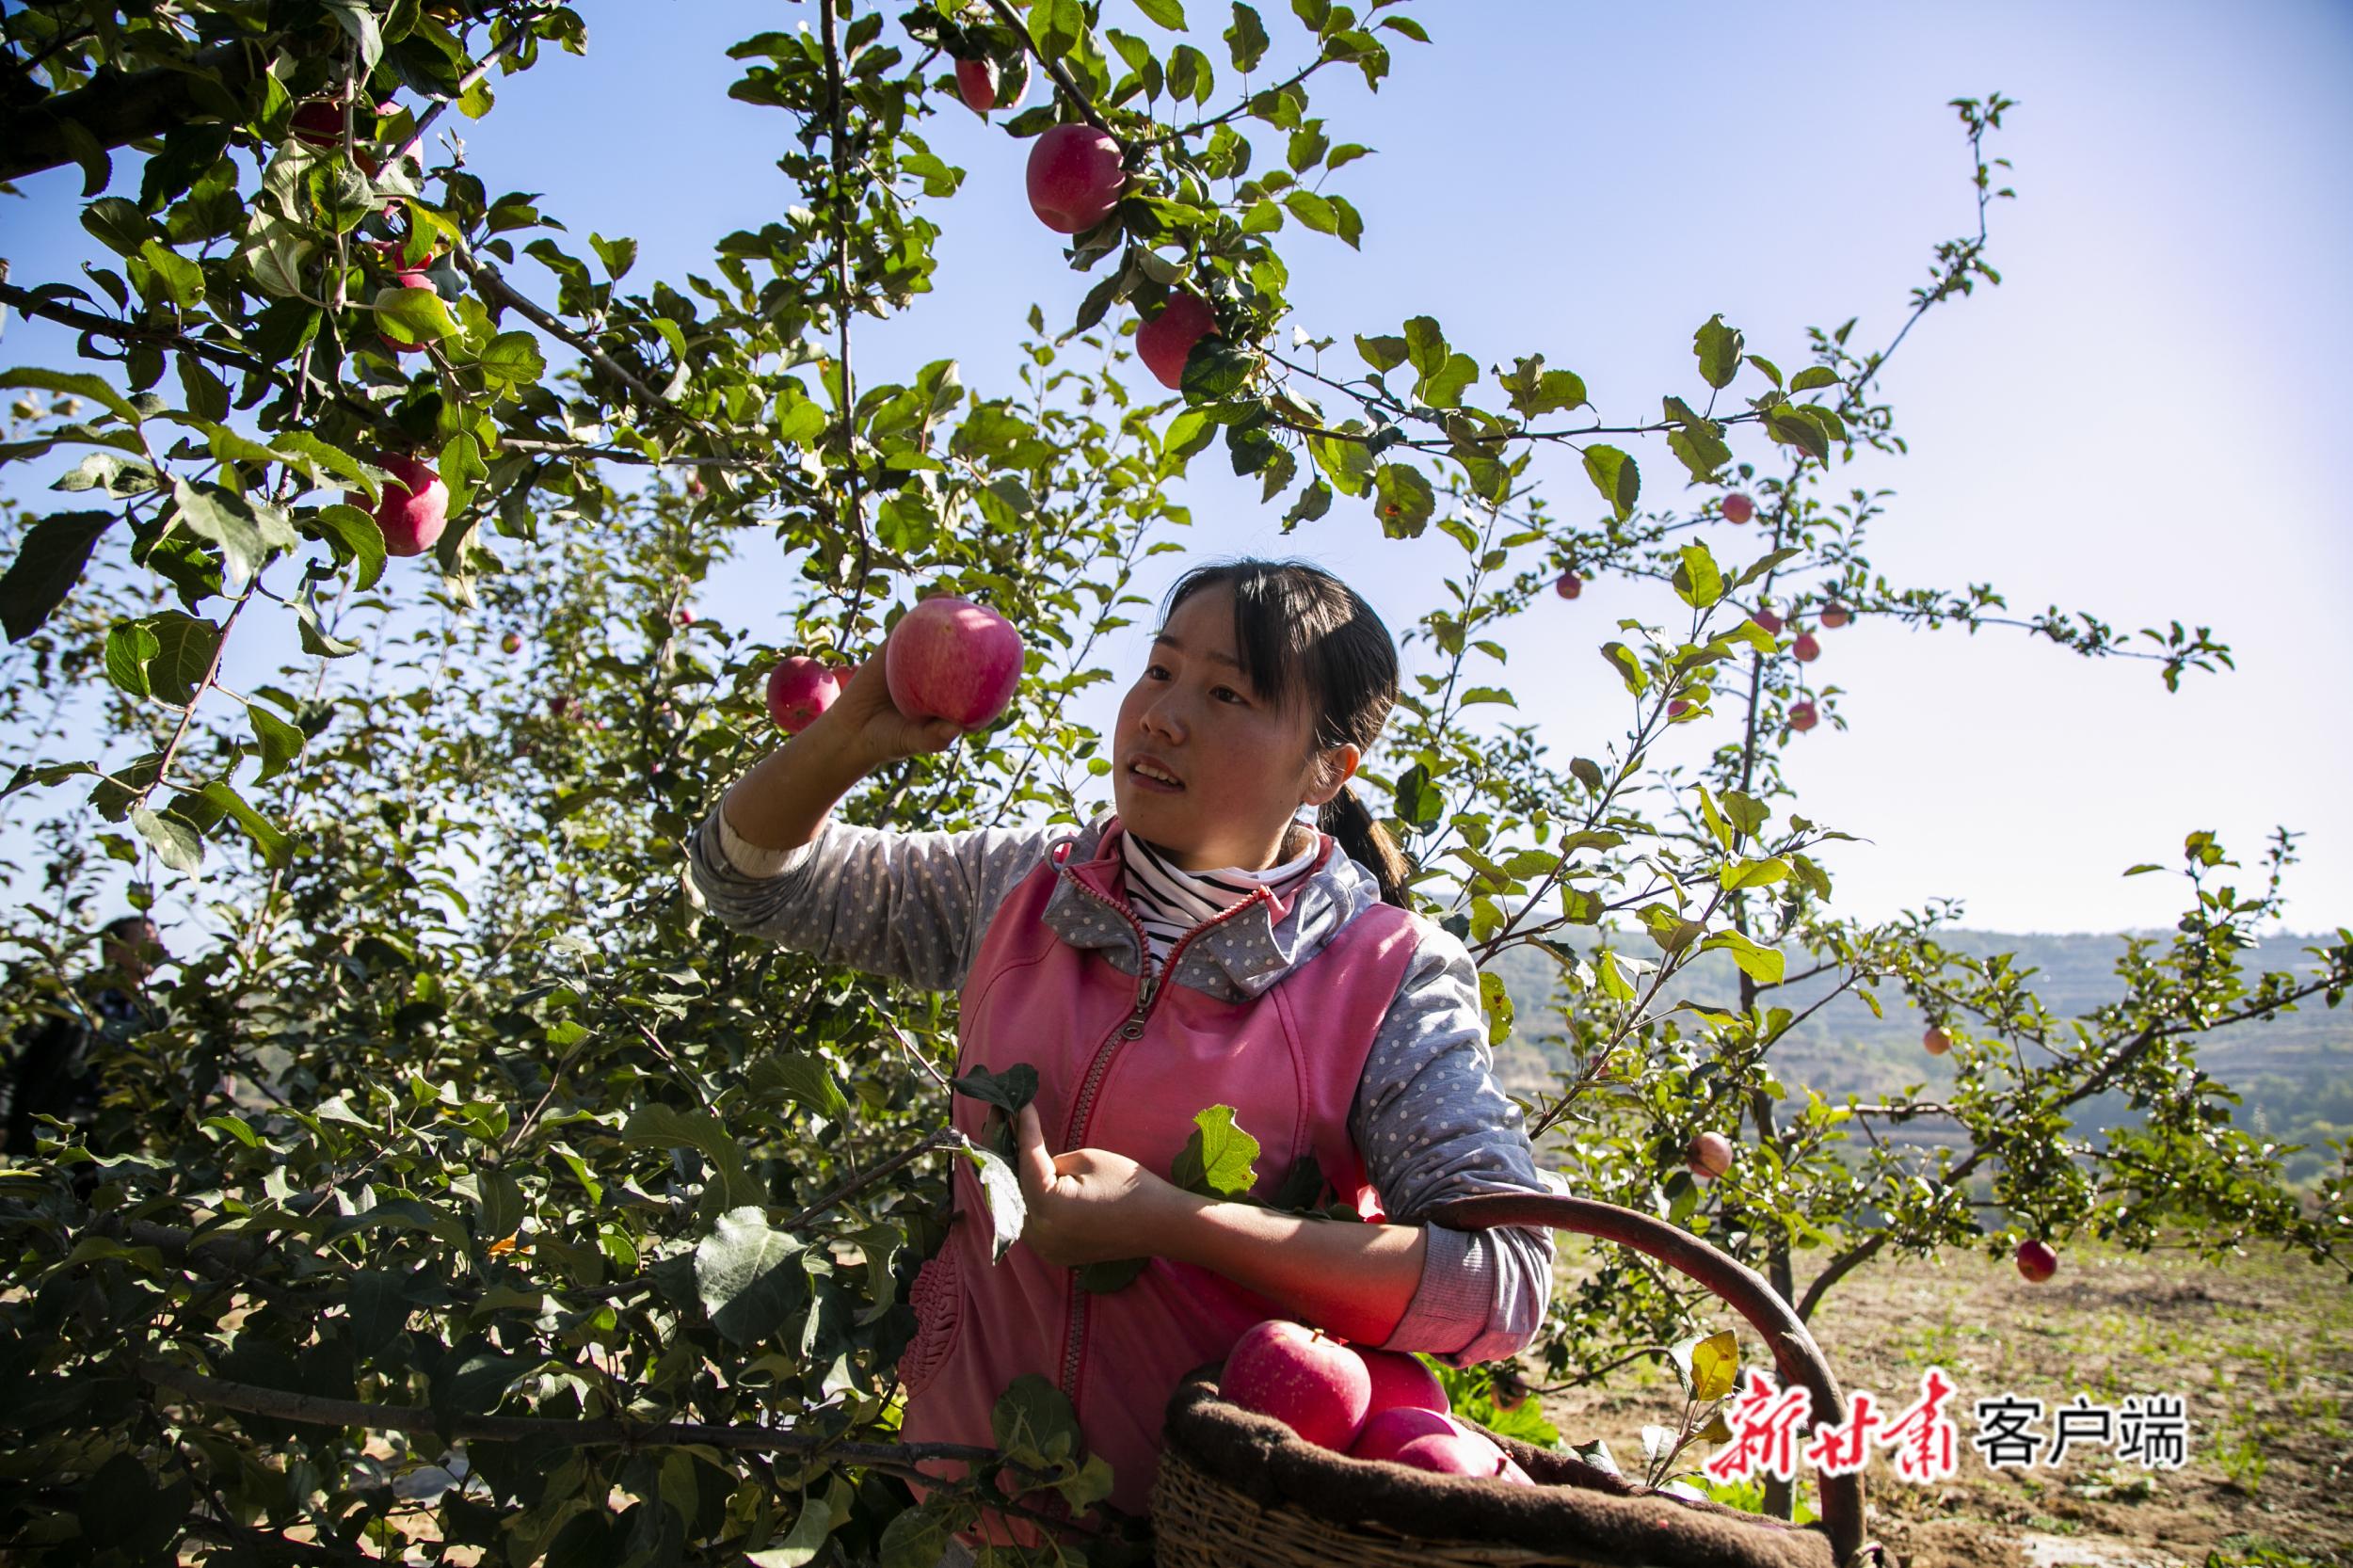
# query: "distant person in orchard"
{"type": "Point", "coordinates": [57, 1068]}
{"type": "Point", "coordinates": [1199, 944]}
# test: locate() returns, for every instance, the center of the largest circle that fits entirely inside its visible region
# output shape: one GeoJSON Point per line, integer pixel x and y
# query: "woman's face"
{"type": "Point", "coordinates": [1244, 767]}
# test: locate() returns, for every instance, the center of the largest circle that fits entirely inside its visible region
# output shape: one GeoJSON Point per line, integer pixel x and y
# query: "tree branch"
{"type": "Point", "coordinates": [116, 109]}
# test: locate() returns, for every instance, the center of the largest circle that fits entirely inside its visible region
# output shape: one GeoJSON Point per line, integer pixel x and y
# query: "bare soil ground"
{"type": "Point", "coordinates": [2261, 1349]}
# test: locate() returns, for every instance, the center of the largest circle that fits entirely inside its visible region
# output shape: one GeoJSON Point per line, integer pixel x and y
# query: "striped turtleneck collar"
{"type": "Point", "coordinates": [1170, 901]}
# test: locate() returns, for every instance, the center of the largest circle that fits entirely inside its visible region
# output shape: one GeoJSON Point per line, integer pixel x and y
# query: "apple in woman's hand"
{"type": "Point", "coordinates": [949, 658]}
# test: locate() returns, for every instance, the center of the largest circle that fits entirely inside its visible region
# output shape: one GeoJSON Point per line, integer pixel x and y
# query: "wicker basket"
{"type": "Point", "coordinates": [1239, 1490]}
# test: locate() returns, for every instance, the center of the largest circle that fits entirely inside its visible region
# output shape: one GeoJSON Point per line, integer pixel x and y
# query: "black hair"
{"type": "Point", "coordinates": [1303, 634]}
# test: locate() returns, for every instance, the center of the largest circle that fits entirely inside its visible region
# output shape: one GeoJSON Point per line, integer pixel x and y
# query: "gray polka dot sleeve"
{"type": "Point", "coordinates": [1432, 1124]}
{"type": "Point", "coordinates": [909, 905]}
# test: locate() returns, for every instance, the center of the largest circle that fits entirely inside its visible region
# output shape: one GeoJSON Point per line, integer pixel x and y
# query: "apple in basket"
{"type": "Point", "coordinates": [1399, 1379]}
{"type": "Point", "coordinates": [1388, 1431]}
{"type": "Point", "coordinates": [1304, 1378]}
{"type": "Point", "coordinates": [1465, 1453]}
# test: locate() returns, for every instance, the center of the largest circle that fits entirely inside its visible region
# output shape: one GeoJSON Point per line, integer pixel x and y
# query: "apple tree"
{"type": "Point", "coordinates": [463, 1131]}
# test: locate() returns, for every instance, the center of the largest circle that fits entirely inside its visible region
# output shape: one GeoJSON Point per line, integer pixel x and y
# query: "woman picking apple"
{"type": "Point", "coordinates": [1197, 944]}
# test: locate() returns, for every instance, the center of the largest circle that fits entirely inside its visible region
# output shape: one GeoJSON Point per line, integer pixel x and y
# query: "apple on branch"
{"type": "Point", "coordinates": [415, 507]}
{"type": "Point", "coordinates": [976, 84]}
{"type": "Point", "coordinates": [1803, 716]}
{"type": "Point", "coordinates": [1835, 616]}
{"type": "Point", "coordinates": [1738, 507]}
{"type": "Point", "coordinates": [1709, 1156]}
{"type": "Point", "coordinates": [1805, 649]}
{"type": "Point", "coordinates": [1770, 621]}
{"type": "Point", "coordinates": [1075, 178]}
{"type": "Point", "coordinates": [799, 689]}
{"type": "Point", "coordinates": [1568, 586]}
{"type": "Point", "coordinates": [2037, 1260]}
{"type": "Point", "coordinates": [1936, 1042]}
{"type": "Point", "coordinates": [1165, 341]}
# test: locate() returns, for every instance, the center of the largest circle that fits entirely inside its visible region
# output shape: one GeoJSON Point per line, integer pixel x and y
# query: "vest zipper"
{"type": "Point", "coordinates": [1083, 1108]}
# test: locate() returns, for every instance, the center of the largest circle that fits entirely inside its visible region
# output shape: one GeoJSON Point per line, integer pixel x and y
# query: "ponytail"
{"type": "Point", "coordinates": [1363, 840]}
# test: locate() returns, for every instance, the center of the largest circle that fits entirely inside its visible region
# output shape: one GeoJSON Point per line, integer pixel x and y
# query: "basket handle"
{"type": "Point", "coordinates": [1796, 1356]}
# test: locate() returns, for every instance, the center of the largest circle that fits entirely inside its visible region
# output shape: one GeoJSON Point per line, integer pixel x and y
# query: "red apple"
{"type": "Point", "coordinates": [1676, 709]}
{"type": "Point", "coordinates": [1738, 507]}
{"type": "Point", "coordinates": [415, 507]}
{"type": "Point", "coordinates": [1802, 717]}
{"type": "Point", "coordinates": [1401, 1381]}
{"type": "Point", "coordinates": [1805, 649]}
{"type": "Point", "coordinates": [1387, 1430]}
{"type": "Point", "coordinates": [319, 123]}
{"type": "Point", "coordinates": [1075, 178]}
{"type": "Point", "coordinates": [1164, 342]}
{"type": "Point", "coordinates": [1304, 1378]}
{"type": "Point", "coordinates": [2037, 1261]}
{"type": "Point", "coordinates": [1463, 1454]}
{"type": "Point", "coordinates": [511, 643]}
{"type": "Point", "coordinates": [559, 707]}
{"type": "Point", "coordinates": [976, 81]}
{"type": "Point", "coordinates": [684, 617]}
{"type": "Point", "coordinates": [1770, 621]}
{"type": "Point", "coordinates": [799, 689]}
{"type": "Point", "coordinates": [1936, 1042]}
{"type": "Point", "coordinates": [1710, 1156]}
{"type": "Point", "coordinates": [949, 658]}
{"type": "Point", "coordinates": [1569, 585]}
{"type": "Point", "coordinates": [1835, 616]}
{"type": "Point", "coordinates": [697, 488]}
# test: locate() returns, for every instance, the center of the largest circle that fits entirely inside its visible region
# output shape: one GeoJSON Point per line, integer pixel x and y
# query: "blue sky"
{"type": "Point", "coordinates": [2137, 422]}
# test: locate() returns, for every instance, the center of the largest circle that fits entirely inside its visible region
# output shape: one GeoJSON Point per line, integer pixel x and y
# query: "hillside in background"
{"type": "Point", "coordinates": [2294, 1073]}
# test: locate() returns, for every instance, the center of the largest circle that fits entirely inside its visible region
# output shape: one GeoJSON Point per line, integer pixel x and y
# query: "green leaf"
{"type": "Point", "coordinates": [1760, 964]}
{"type": "Point", "coordinates": [1418, 801]}
{"type": "Point", "coordinates": [1189, 75]}
{"type": "Point", "coordinates": [1718, 350]}
{"type": "Point", "coordinates": [666, 1127]}
{"type": "Point", "coordinates": [28, 378]}
{"type": "Point", "coordinates": [281, 742]}
{"type": "Point", "coordinates": [248, 533]}
{"type": "Point", "coordinates": [1751, 873]}
{"type": "Point", "coordinates": [1218, 1157]}
{"type": "Point", "coordinates": [912, 1539]}
{"type": "Point", "coordinates": [47, 566]}
{"type": "Point", "coordinates": [1698, 582]}
{"type": "Point", "coordinates": [356, 537]}
{"type": "Point", "coordinates": [1616, 476]}
{"type": "Point", "coordinates": [1009, 1091]}
{"type": "Point", "coordinates": [1535, 391]}
{"type": "Point", "coordinates": [414, 315]}
{"type": "Point", "coordinates": [803, 1076]}
{"type": "Point", "coordinates": [176, 844]}
{"type": "Point", "coordinates": [1313, 211]}
{"type": "Point", "coordinates": [1443, 388]}
{"type": "Point", "coordinates": [1813, 376]}
{"type": "Point", "coordinates": [1496, 1002]}
{"type": "Point", "coordinates": [1629, 666]}
{"type": "Point", "coordinates": [1383, 353]}
{"type": "Point", "coordinates": [129, 647]}
{"type": "Point", "coordinates": [266, 835]}
{"type": "Point", "coordinates": [1166, 14]}
{"type": "Point", "coordinates": [1001, 1189]}
{"type": "Point", "coordinates": [749, 1275]}
{"type": "Point", "coordinates": [1032, 1420]}
{"type": "Point", "coordinates": [1348, 464]}
{"type": "Point", "coordinates": [1246, 38]}
{"type": "Point", "coordinates": [514, 358]}
{"type": "Point", "coordinates": [1402, 500]}
{"type": "Point", "coordinates": [183, 655]}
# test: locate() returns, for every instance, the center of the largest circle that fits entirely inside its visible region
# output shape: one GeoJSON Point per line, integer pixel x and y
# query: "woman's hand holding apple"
{"type": "Point", "coordinates": [864, 719]}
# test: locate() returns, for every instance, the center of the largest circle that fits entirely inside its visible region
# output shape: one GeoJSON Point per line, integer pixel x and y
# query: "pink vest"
{"type": "Point", "coordinates": [1125, 1069]}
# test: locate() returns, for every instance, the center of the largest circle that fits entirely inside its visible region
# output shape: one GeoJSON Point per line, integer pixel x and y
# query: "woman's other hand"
{"type": "Point", "coordinates": [1090, 1205]}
